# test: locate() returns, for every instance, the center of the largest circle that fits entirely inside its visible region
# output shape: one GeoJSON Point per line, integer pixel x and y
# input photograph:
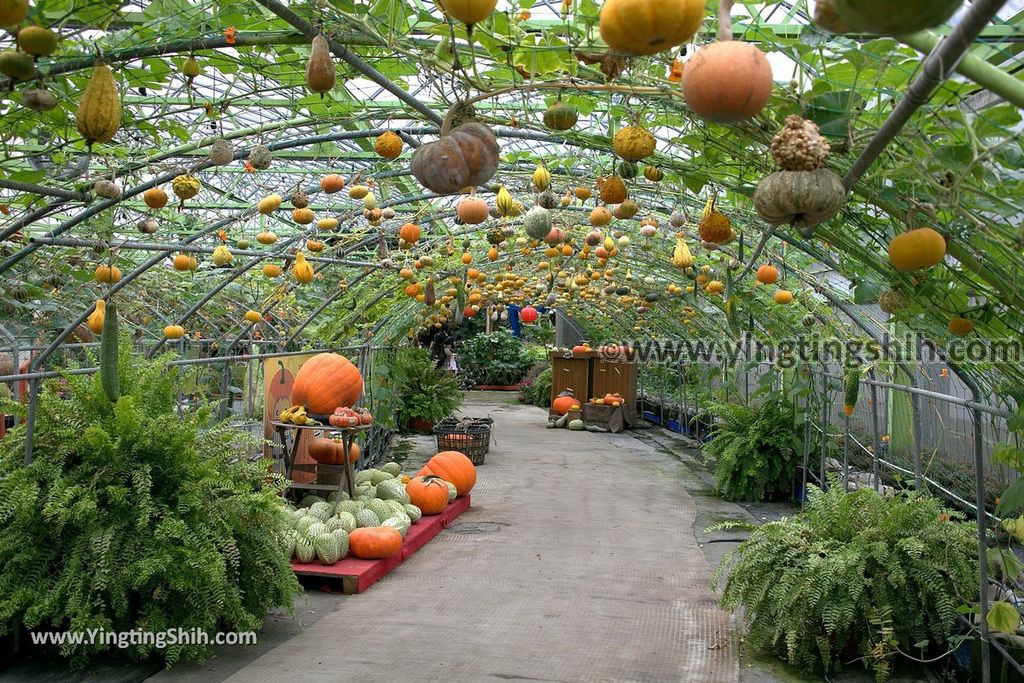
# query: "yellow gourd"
{"type": "Point", "coordinates": [468, 11]}
{"type": "Point", "coordinates": [221, 256]}
{"type": "Point", "coordinates": [99, 110]}
{"type": "Point", "coordinates": [174, 332]}
{"type": "Point", "coordinates": [95, 320]}
{"type": "Point", "coordinates": [541, 178]}
{"type": "Point", "coordinates": [681, 256]}
{"type": "Point", "coordinates": [302, 270]}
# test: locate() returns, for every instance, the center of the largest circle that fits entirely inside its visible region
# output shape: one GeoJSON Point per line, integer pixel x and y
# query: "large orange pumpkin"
{"type": "Point", "coordinates": [454, 467]}
{"type": "Point", "coordinates": [563, 404]}
{"type": "Point", "coordinates": [375, 542]}
{"type": "Point", "coordinates": [325, 382]}
{"type": "Point", "coordinates": [429, 493]}
{"type": "Point", "coordinates": [332, 451]}
{"type": "Point", "coordinates": [728, 82]}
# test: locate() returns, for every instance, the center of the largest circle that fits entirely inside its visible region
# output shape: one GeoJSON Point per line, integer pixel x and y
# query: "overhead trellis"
{"type": "Point", "coordinates": [190, 73]}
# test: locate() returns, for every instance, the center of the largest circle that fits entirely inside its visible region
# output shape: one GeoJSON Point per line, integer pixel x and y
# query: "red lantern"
{"type": "Point", "coordinates": [528, 314]}
{"type": "Point", "coordinates": [468, 312]}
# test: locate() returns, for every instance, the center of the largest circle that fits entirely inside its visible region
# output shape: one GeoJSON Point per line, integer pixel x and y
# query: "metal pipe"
{"type": "Point", "coordinates": [876, 442]}
{"type": "Point", "coordinates": [41, 190]}
{"type": "Point", "coordinates": [979, 492]}
{"type": "Point", "coordinates": [152, 246]}
{"type": "Point", "coordinates": [937, 68]}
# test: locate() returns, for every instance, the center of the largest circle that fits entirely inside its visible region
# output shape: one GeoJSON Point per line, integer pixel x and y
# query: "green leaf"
{"type": "Point", "coordinates": [1003, 617]}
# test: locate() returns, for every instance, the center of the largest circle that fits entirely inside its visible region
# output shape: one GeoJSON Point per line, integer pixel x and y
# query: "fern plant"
{"type": "Point", "coordinates": [756, 449]}
{"type": "Point", "coordinates": [854, 570]}
{"type": "Point", "coordinates": [133, 518]}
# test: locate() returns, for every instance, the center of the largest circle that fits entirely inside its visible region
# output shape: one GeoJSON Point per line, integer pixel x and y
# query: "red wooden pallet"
{"type": "Point", "coordinates": [353, 575]}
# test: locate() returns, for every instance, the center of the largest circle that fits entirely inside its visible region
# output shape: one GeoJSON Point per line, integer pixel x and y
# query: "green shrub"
{"type": "Point", "coordinates": [131, 518]}
{"type": "Point", "coordinates": [421, 388]}
{"type": "Point", "coordinates": [538, 391]}
{"type": "Point", "coordinates": [756, 449]}
{"type": "Point", "coordinates": [854, 569]}
{"type": "Point", "coordinates": [495, 359]}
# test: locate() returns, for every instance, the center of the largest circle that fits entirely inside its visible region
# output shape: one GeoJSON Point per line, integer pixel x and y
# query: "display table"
{"type": "Point", "coordinates": [353, 575]}
{"type": "Point", "coordinates": [328, 477]}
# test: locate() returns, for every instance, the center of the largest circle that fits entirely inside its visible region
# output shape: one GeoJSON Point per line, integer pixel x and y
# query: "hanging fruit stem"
{"type": "Point", "coordinates": [725, 20]}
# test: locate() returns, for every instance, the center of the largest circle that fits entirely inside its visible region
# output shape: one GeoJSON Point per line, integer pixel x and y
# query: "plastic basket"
{"type": "Point", "coordinates": [471, 436]}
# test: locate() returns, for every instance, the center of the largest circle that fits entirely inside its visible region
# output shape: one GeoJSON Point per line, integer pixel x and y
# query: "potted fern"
{"type": "Point", "coordinates": [424, 393]}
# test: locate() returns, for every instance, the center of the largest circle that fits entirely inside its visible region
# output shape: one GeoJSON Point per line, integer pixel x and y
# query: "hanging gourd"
{"type": "Point", "coordinates": [647, 27]}
{"type": "Point", "coordinates": [917, 249]}
{"type": "Point", "coordinates": [729, 81]}
{"type": "Point", "coordinates": [613, 191]}
{"type": "Point", "coordinates": [541, 178]}
{"type": "Point", "coordinates": [715, 227]}
{"type": "Point", "coordinates": [600, 217]}
{"type": "Point", "coordinates": [681, 256]}
{"type": "Point", "coordinates": [626, 209]}
{"type": "Point", "coordinates": [302, 270]}
{"type": "Point", "coordinates": [463, 157]}
{"type": "Point", "coordinates": [185, 186]}
{"type": "Point", "coordinates": [560, 116]}
{"type": "Point", "coordinates": [191, 70]}
{"type": "Point", "coordinates": [472, 210]}
{"type": "Point", "coordinates": [886, 17]}
{"type": "Point", "coordinates": [504, 204]}
{"type": "Point", "coordinates": [804, 193]}
{"type": "Point", "coordinates": [95, 320]}
{"type": "Point", "coordinates": [107, 274]}
{"type": "Point", "coordinates": [388, 145]}
{"type": "Point", "coordinates": [469, 12]}
{"type": "Point", "coordinates": [222, 256]}
{"type": "Point", "coordinates": [174, 332]}
{"type": "Point", "coordinates": [17, 66]}
{"type": "Point", "coordinates": [654, 174]}
{"type": "Point", "coordinates": [269, 204]}
{"type": "Point", "coordinates": [13, 12]}
{"type": "Point", "coordinates": [960, 326]}
{"type": "Point", "coordinates": [537, 222]}
{"type": "Point", "coordinates": [320, 73]}
{"type": "Point", "coordinates": [410, 233]}
{"type": "Point", "coordinates": [633, 143]}
{"type": "Point", "coordinates": [767, 274]}
{"type": "Point", "coordinates": [221, 152]}
{"type": "Point", "coordinates": [851, 391]}
{"type": "Point", "coordinates": [99, 109]}
{"type": "Point", "coordinates": [333, 182]}
{"type": "Point", "coordinates": [37, 41]}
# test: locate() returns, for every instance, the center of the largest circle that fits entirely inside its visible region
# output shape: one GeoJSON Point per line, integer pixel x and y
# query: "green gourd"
{"type": "Point", "coordinates": [852, 390]}
{"type": "Point", "coordinates": [110, 376]}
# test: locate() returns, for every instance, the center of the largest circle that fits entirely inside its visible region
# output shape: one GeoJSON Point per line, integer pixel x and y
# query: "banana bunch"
{"type": "Point", "coordinates": [1015, 527]}
{"type": "Point", "coordinates": [296, 415]}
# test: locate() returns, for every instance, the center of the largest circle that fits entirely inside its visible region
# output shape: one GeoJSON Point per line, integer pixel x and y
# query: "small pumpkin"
{"type": "Point", "coordinates": [174, 332]}
{"type": "Point", "coordinates": [253, 316]}
{"type": "Point", "coordinates": [13, 12]}
{"type": "Point", "coordinates": [302, 216]}
{"type": "Point", "coordinates": [466, 156]}
{"type": "Point", "coordinates": [560, 116]}
{"type": "Point", "coordinates": [613, 191]}
{"type": "Point", "coordinates": [410, 233]}
{"type": "Point", "coordinates": [917, 249]}
{"type": "Point", "coordinates": [107, 274]}
{"type": "Point", "coordinates": [473, 210]}
{"type": "Point", "coordinates": [375, 542]}
{"type": "Point", "coordinates": [654, 174]}
{"type": "Point", "coordinates": [269, 204]}
{"type": "Point", "coordinates": [332, 183]}
{"type": "Point", "coordinates": [600, 216]}
{"type": "Point", "coordinates": [454, 467]}
{"type": "Point", "coordinates": [626, 210]}
{"type": "Point", "coordinates": [728, 82]}
{"type": "Point", "coordinates": [37, 41]}
{"type": "Point", "coordinates": [325, 382]}
{"type": "Point", "coordinates": [429, 493]}
{"type": "Point", "coordinates": [647, 27]}
{"type": "Point", "coordinates": [17, 66]}
{"type": "Point", "coordinates": [468, 12]}
{"type": "Point", "coordinates": [887, 17]}
{"type": "Point", "coordinates": [803, 199]}
{"type": "Point", "coordinates": [332, 451]}
{"type": "Point", "coordinates": [537, 222]}
{"type": "Point", "coordinates": [960, 326]}
{"type": "Point", "coordinates": [767, 274]}
{"type": "Point", "coordinates": [388, 145]}
{"type": "Point", "coordinates": [783, 297]}
{"type": "Point", "coordinates": [272, 270]}
{"type": "Point", "coordinates": [583, 193]}
{"type": "Point", "coordinates": [633, 143]}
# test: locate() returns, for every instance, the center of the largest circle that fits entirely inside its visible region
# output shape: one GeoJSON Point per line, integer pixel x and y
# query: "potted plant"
{"type": "Point", "coordinates": [424, 393]}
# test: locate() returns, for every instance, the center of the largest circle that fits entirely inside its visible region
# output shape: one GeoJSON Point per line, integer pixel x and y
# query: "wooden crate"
{"type": "Point", "coordinates": [611, 377]}
{"type": "Point", "coordinates": [571, 373]}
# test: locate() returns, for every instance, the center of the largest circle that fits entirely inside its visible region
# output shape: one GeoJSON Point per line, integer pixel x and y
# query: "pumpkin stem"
{"type": "Point", "coordinates": [446, 125]}
{"type": "Point", "coordinates": [725, 20]}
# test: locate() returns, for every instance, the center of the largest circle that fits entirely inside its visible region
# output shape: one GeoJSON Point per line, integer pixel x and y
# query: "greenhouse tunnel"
{"type": "Point", "coordinates": [730, 294]}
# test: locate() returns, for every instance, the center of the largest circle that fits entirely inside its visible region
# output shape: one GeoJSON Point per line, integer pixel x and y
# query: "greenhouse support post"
{"type": "Point", "coordinates": [824, 426]}
{"type": "Point", "coordinates": [876, 441]}
{"type": "Point", "coordinates": [846, 452]}
{"type": "Point", "coordinates": [979, 492]}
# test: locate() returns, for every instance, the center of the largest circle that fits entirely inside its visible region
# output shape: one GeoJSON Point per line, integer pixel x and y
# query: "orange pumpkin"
{"type": "Point", "coordinates": [473, 210]}
{"type": "Point", "coordinates": [429, 493]}
{"type": "Point", "coordinates": [410, 232]}
{"type": "Point", "coordinates": [332, 183]}
{"type": "Point", "coordinates": [783, 297]}
{"type": "Point", "coordinates": [325, 382]}
{"type": "Point", "coordinates": [155, 198]}
{"type": "Point", "coordinates": [332, 451]}
{"type": "Point", "coordinates": [375, 542]}
{"type": "Point", "coordinates": [454, 467]}
{"type": "Point", "coordinates": [728, 82]}
{"type": "Point", "coordinates": [563, 404]}
{"type": "Point", "coordinates": [960, 326]}
{"type": "Point", "coordinates": [767, 274]}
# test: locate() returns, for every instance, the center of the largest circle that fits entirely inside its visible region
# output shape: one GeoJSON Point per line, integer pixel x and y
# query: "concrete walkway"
{"type": "Point", "coordinates": [577, 562]}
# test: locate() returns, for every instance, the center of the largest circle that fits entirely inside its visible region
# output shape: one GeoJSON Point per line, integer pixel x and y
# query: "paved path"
{"type": "Point", "coordinates": [577, 562]}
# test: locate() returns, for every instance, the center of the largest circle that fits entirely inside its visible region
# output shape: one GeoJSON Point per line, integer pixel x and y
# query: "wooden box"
{"type": "Point", "coordinates": [604, 418]}
{"type": "Point", "coordinates": [571, 373]}
{"type": "Point", "coordinates": [612, 377]}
